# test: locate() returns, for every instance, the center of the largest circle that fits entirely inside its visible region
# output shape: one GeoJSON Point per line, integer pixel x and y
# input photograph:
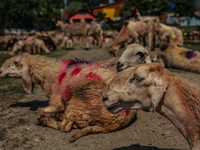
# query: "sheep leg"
{"type": "Point", "coordinates": [34, 50]}
{"type": "Point", "coordinates": [86, 131]}
{"type": "Point", "coordinates": [81, 42]}
{"type": "Point", "coordinates": [150, 37]}
{"type": "Point", "coordinates": [48, 122]}
{"type": "Point", "coordinates": [87, 43]}
{"type": "Point", "coordinates": [45, 49]}
{"type": "Point", "coordinates": [67, 123]}
{"type": "Point", "coordinates": [51, 109]}
{"type": "Point", "coordinates": [70, 44]}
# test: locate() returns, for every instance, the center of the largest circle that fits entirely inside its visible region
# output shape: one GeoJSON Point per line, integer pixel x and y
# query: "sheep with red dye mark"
{"type": "Point", "coordinates": [74, 89]}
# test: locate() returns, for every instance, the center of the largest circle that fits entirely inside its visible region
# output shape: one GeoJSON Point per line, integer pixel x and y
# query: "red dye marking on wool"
{"type": "Point", "coordinates": [76, 71]}
{"type": "Point", "coordinates": [94, 76]}
{"type": "Point", "coordinates": [67, 94]}
{"type": "Point", "coordinates": [127, 112]}
{"type": "Point", "coordinates": [61, 77]}
{"type": "Point", "coordinates": [64, 65]}
{"type": "Point", "coordinates": [62, 72]}
{"type": "Point", "coordinates": [66, 90]}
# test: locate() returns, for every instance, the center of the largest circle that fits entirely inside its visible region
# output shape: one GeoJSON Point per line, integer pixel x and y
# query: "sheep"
{"type": "Point", "coordinates": [31, 44]}
{"type": "Point", "coordinates": [179, 57]}
{"type": "Point", "coordinates": [74, 90]}
{"type": "Point", "coordinates": [135, 31]}
{"type": "Point", "coordinates": [133, 55]}
{"type": "Point", "coordinates": [77, 29]}
{"type": "Point", "coordinates": [151, 87]}
{"type": "Point", "coordinates": [168, 33]}
{"type": "Point", "coordinates": [179, 35]}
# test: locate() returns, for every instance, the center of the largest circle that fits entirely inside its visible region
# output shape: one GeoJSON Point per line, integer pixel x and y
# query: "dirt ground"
{"type": "Point", "coordinates": [149, 131]}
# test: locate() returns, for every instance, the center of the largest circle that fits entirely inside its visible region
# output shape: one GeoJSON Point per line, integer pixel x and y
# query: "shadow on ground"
{"type": "Point", "coordinates": [139, 147]}
{"type": "Point", "coordinates": [34, 105]}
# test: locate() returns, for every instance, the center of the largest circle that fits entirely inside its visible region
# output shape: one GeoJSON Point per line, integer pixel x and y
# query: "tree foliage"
{"type": "Point", "coordinates": [146, 7]}
{"type": "Point", "coordinates": [89, 3]}
{"type": "Point", "coordinates": [184, 8]}
{"type": "Point", "coordinates": [34, 13]}
{"type": "Point", "coordinates": [28, 13]}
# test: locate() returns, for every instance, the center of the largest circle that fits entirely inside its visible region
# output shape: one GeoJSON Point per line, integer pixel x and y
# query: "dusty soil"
{"type": "Point", "coordinates": [149, 131]}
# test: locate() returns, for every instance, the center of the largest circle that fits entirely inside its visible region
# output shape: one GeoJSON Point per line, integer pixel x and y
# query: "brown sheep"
{"type": "Point", "coordinates": [77, 29]}
{"type": "Point", "coordinates": [151, 87]}
{"type": "Point", "coordinates": [74, 90]}
{"type": "Point", "coordinates": [136, 31]}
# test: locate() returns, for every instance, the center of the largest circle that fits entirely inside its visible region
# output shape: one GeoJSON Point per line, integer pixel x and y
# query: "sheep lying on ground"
{"type": "Point", "coordinates": [74, 90]}
{"type": "Point", "coordinates": [179, 57]}
{"type": "Point", "coordinates": [133, 55]}
{"type": "Point", "coordinates": [151, 87]}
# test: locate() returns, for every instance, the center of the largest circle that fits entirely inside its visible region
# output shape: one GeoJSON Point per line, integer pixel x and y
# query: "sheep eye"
{"type": "Point", "coordinates": [140, 54]}
{"type": "Point", "coordinates": [138, 78]}
{"type": "Point", "coordinates": [16, 63]}
{"type": "Point", "coordinates": [132, 79]}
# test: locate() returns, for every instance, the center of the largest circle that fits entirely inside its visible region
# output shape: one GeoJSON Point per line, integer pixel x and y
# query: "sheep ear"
{"type": "Point", "coordinates": [26, 80]}
{"type": "Point", "coordinates": [158, 92]}
{"type": "Point", "coordinates": [126, 23]}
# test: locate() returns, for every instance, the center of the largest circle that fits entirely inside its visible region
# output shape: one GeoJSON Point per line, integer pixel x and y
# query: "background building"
{"type": "Point", "coordinates": [82, 15]}
{"type": "Point", "coordinates": [112, 10]}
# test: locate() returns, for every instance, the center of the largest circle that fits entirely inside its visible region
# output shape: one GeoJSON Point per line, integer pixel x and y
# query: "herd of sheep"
{"type": "Point", "coordinates": [35, 42]}
{"type": "Point", "coordinates": [104, 96]}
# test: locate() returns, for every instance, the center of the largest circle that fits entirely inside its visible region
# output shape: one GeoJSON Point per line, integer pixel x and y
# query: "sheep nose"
{"type": "Point", "coordinates": [119, 64]}
{"type": "Point", "coordinates": [0, 71]}
{"type": "Point", "coordinates": [105, 97]}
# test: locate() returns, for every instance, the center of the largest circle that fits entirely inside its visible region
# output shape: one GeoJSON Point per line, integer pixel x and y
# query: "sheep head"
{"type": "Point", "coordinates": [134, 54]}
{"type": "Point", "coordinates": [139, 87]}
{"type": "Point", "coordinates": [17, 46]}
{"type": "Point", "coordinates": [17, 67]}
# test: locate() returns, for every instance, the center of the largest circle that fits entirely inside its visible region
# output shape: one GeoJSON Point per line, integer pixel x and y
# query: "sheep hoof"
{"type": "Point", "coordinates": [43, 121]}
{"type": "Point", "coordinates": [72, 139]}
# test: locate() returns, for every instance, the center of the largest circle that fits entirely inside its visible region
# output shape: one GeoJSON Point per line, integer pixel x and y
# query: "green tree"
{"type": "Point", "coordinates": [28, 13]}
{"type": "Point", "coordinates": [75, 6]}
{"type": "Point", "coordinates": [146, 7]}
{"type": "Point", "coordinates": [184, 8]}
{"type": "Point", "coordinates": [89, 3]}
{"type": "Point", "coordinates": [100, 16]}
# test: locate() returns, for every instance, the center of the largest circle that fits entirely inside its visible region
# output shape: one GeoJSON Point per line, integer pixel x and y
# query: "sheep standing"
{"type": "Point", "coordinates": [74, 90]}
{"type": "Point", "coordinates": [136, 31]}
{"type": "Point", "coordinates": [167, 34]}
{"type": "Point", "coordinates": [151, 87]}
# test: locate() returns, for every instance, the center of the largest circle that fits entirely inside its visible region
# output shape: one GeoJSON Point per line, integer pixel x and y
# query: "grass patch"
{"type": "Point", "coordinates": [57, 53]}
{"type": "Point", "coordinates": [3, 58]}
{"type": "Point", "coordinates": [11, 90]}
{"type": "Point", "coordinates": [18, 122]}
{"type": "Point", "coordinates": [13, 143]}
{"type": "Point", "coordinates": [193, 46]}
